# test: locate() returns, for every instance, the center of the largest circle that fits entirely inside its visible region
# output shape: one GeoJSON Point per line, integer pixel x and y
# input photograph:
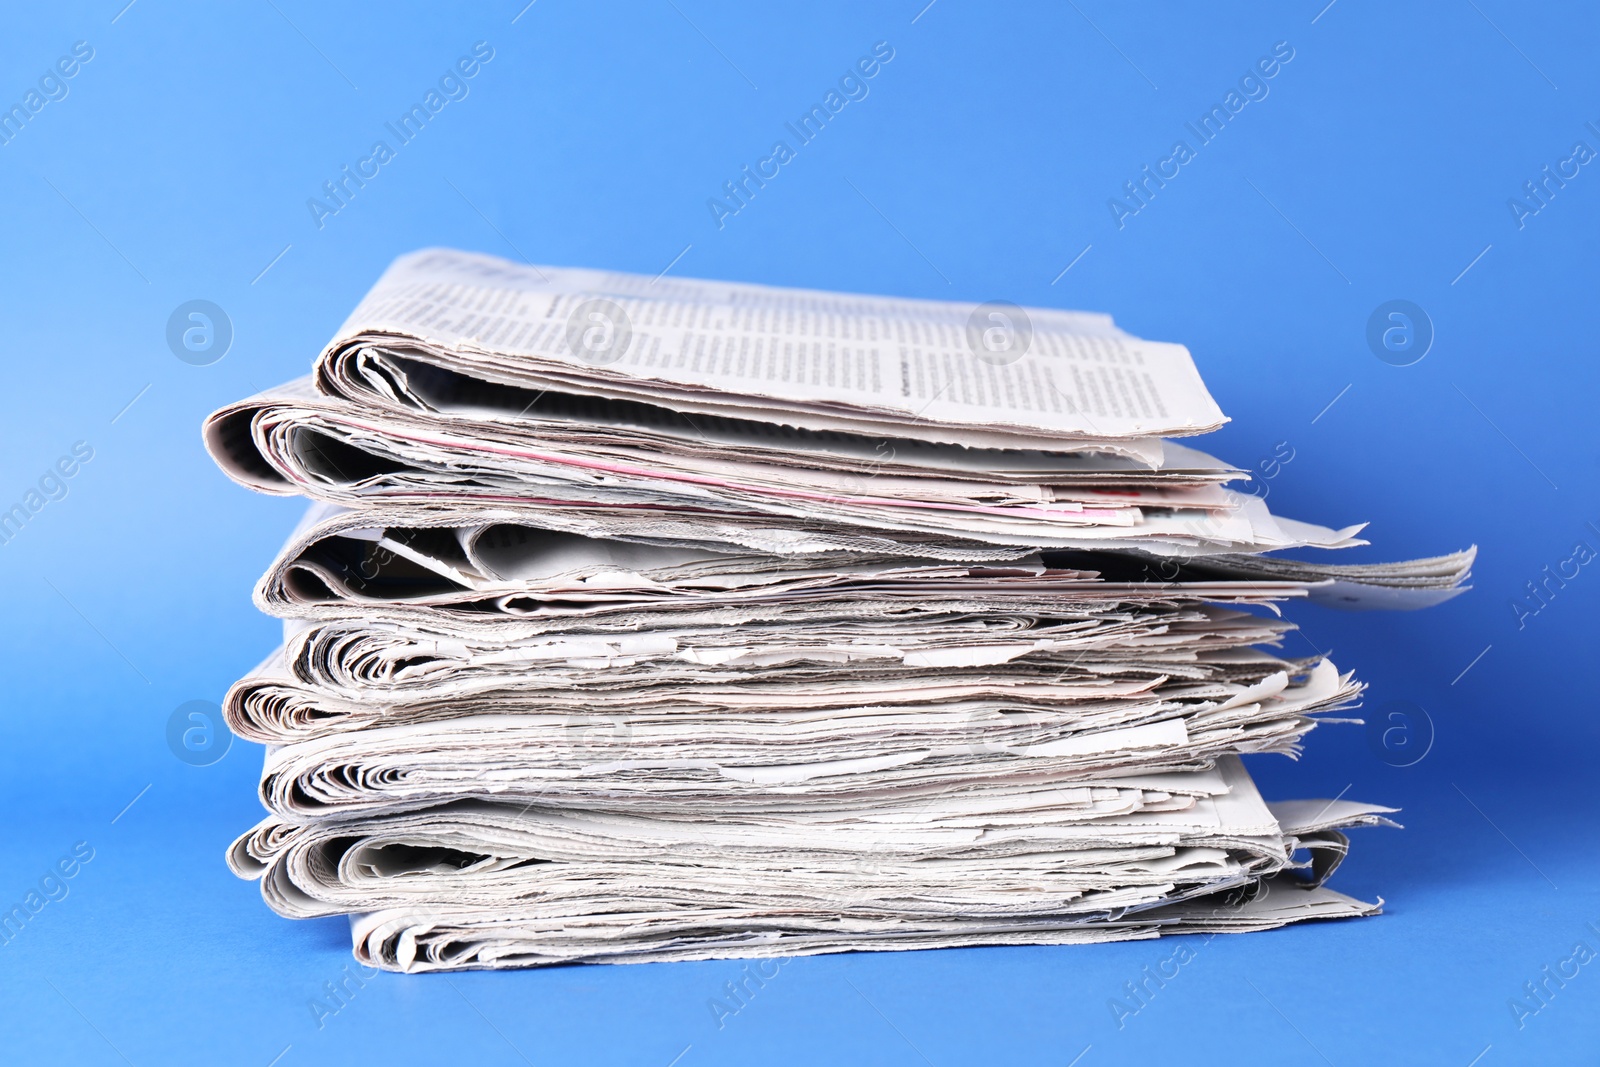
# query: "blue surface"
{"type": "Point", "coordinates": [1377, 167]}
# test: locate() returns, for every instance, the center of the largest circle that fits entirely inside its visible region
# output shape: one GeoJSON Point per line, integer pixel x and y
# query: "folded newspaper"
{"type": "Point", "coordinates": [644, 619]}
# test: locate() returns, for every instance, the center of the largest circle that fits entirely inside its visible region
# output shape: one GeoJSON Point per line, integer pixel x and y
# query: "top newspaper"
{"type": "Point", "coordinates": [929, 370]}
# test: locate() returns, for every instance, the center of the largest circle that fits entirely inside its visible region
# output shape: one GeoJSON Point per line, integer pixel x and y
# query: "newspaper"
{"type": "Point", "coordinates": [467, 381]}
{"type": "Point", "coordinates": [564, 885]}
{"type": "Point", "coordinates": [348, 675]}
{"type": "Point", "coordinates": [751, 756]}
{"type": "Point", "coordinates": [783, 421]}
{"type": "Point", "coordinates": [651, 619]}
{"type": "Point", "coordinates": [571, 460]}
{"type": "Point", "coordinates": [477, 566]}
{"type": "Point", "coordinates": [420, 941]}
{"type": "Point", "coordinates": [579, 461]}
{"type": "Point", "coordinates": [815, 361]}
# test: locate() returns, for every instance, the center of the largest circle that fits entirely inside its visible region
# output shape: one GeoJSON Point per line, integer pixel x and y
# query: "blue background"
{"type": "Point", "coordinates": [979, 167]}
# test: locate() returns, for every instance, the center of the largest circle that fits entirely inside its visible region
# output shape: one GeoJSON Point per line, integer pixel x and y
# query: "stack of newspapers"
{"type": "Point", "coordinates": [648, 619]}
